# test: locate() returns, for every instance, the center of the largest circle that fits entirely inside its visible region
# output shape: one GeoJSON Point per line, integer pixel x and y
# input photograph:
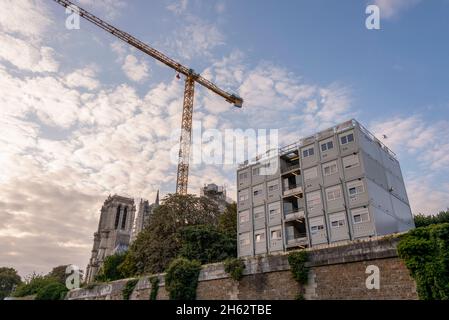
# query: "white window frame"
{"type": "Point", "coordinates": [330, 165]}
{"type": "Point", "coordinates": [362, 212]}
{"type": "Point", "coordinates": [339, 224]}
{"type": "Point", "coordinates": [316, 225]}
{"type": "Point", "coordinates": [326, 145]}
{"type": "Point", "coordinates": [316, 228]}
{"type": "Point", "coordinates": [278, 231]}
{"type": "Point", "coordinates": [358, 186]}
{"type": "Point", "coordinates": [306, 152]}
{"type": "Point", "coordinates": [243, 175]}
{"type": "Point", "coordinates": [243, 214]}
{"type": "Point", "coordinates": [334, 190]}
{"type": "Point", "coordinates": [347, 140]}
{"type": "Point", "coordinates": [245, 194]}
{"type": "Point", "coordinates": [262, 238]}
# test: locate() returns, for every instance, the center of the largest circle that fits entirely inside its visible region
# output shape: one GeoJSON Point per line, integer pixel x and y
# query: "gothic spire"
{"type": "Point", "coordinates": [157, 198]}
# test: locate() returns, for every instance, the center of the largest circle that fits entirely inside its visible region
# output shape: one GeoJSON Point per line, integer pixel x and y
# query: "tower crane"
{"type": "Point", "coordinates": [191, 77]}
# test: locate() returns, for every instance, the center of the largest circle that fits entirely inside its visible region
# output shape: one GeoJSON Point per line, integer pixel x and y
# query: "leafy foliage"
{"type": "Point", "coordinates": [32, 285]}
{"type": "Point", "coordinates": [111, 271]}
{"type": "Point", "coordinates": [181, 279]}
{"type": "Point", "coordinates": [425, 252]}
{"type": "Point", "coordinates": [297, 261]}
{"type": "Point", "coordinates": [234, 267]}
{"type": "Point", "coordinates": [228, 221]}
{"type": "Point", "coordinates": [154, 287]}
{"type": "Point", "coordinates": [58, 273]}
{"type": "Point", "coordinates": [423, 220]}
{"type": "Point", "coordinates": [52, 291]}
{"type": "Point", "coordinates": [161, 241]}
{"type": "Point", "coordinates": [206, 244]}
{"type": "Point", "coordinates": [129, 288]}
{"type": "Point", "coordinates": [8, 280]}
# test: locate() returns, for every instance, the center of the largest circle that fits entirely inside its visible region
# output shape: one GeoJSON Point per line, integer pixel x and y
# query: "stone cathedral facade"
{"type": "Point", "coordinates": [114, 232]}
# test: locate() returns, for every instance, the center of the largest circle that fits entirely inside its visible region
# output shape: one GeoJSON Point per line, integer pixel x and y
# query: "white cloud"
{"type": "Point", "coordinates": [134, 69]}
{"type": "Point", "coordinates": [178, 7]}
{"type": "Point", "coordinates": [83, 78]}
{"type": "Point", "coordinates": [413, 136]}
{"type": "Point", "coordinates": [391, 8]}
{"type": "Point", "coordinates": [426, 197]}
{"type": "Point", "coordinates": [26, 56]}
{"type": "Point", "coordinates": [25, 17]}
{"type": "Point", "coordinates": [195, 39]}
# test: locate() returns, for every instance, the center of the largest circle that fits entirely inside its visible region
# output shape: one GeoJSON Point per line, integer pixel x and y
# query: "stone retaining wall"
{"type": "Point", "coordinates": [336, 272]}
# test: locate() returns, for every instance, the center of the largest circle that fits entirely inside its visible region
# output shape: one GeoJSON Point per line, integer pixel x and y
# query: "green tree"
{"type": "Point", "coordinates": [111, 271]}
{"type": "Point", "coordinates": [58, 273]}
{"type": "Point", "coordinates": [52, 291]}
{"type": "Point", "coordinates": [228, 220]}
{"type": "Point", "coordinates": [426, 220]}
{"type": "Point", "coordinates": [160, 242]}
{"type": "Point", "coordinates": [181, 279]}
{"type": "Point", "coordinates": [8, 280]}
{"type": "Point", "coordinates": [425, 252]}
{"type": "Point", "coordinates": [33, 283]}
{"type": "Point", "coordinates": [206, 244]}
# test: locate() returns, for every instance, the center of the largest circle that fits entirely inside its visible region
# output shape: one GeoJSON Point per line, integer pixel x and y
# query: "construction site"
{"type": "Point", "coordinates": [335, 186]}
{"type": "Point", "coordinates": [327, 210]}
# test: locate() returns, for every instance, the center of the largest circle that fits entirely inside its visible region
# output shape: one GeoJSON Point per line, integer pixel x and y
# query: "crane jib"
{"type": "Point", "coordinates": [188, 72]}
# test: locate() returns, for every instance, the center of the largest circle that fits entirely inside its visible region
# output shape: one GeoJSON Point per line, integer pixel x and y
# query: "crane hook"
{"type": "Point", "coordinates": [178, 76]}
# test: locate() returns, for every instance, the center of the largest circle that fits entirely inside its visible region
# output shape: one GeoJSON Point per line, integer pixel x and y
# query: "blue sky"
{"type": "Point", "coordinates": [83, 115]}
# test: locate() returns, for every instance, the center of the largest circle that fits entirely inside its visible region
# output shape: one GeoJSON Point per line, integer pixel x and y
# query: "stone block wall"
{"type": "Point", "coordinates": [336, 272]}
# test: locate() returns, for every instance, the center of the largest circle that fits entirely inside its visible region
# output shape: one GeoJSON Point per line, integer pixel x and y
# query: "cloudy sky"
{"type": "Point", "coordinates": [83, 116]}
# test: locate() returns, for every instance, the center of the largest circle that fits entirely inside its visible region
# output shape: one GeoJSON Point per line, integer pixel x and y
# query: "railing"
{"type": "Point", "coordinates": [300, 239]}
{"type": "Point", "coordinates": [294, 215]}
{"type": "Point", "coordinates": [293, 189]}
{"type": "Point", "coordinates": [290, 167]}
{"type": "Point", "coordinates": [336, 129]}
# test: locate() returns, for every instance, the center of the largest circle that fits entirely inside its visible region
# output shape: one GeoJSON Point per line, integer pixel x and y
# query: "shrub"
{"type": "Point", "coordinates": [206, 244]}
{"type": "Point", "coordinates": [424, 220]}
{"type": "Point", "coordinates": [33, 284]}
{"type": "Point", "coordinates": [129, 288]}
{"type": "Point", "coordinates": [297, 261]}
{"type": "Point", "coordinates": [52, 291]}
{"type": "Point", "coordinates": [154, 287]}
{"type": "Point", "coordinates": [110, 270]}
{"type": "Point", "coordinates": [234, 267]}
{"type": "Point", "coordinates": [425, 252]}
{"type": "Point", "coordinates": [181, 279]}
